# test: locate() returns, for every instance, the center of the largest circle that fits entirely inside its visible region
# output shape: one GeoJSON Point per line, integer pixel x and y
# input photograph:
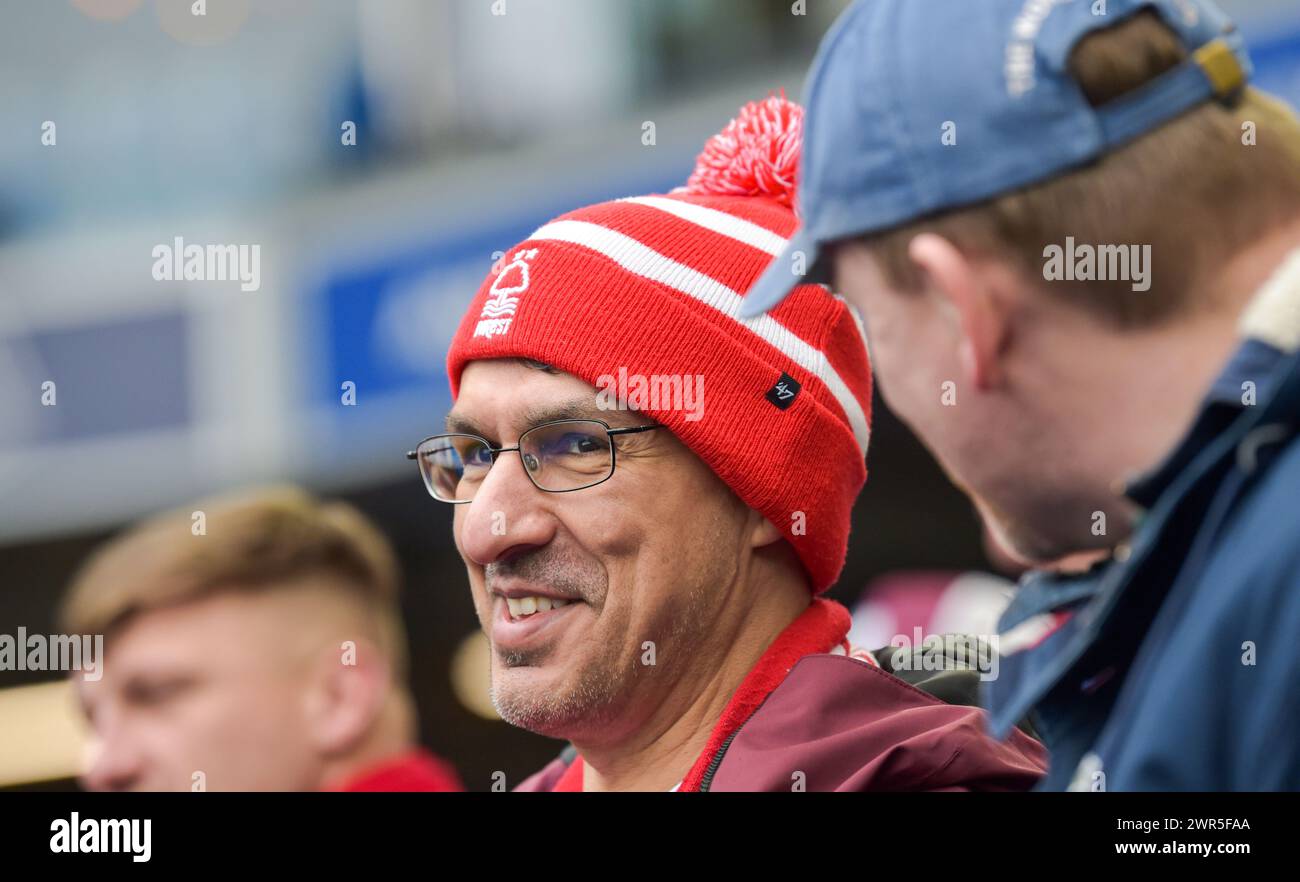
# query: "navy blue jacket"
{"type": "Point", "coordinates": [1176, 664]}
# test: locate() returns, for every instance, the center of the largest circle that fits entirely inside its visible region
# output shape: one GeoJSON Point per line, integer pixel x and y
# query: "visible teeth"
{"type": "Point", "coordinates": [527, 606]}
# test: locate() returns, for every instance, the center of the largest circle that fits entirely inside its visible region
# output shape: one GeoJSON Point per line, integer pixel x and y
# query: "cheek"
{"type": "Point", "coordinates": [236, 710]}
{"type": "Point", "coordinates": [196, 731]}
{"type": "Point", "coordinates": [643, 542]}
{"type": "Point", "coordinates": [474, 572]}
{"type": "Point", "coordinates": [910, 366]}
{"type": "Point", "coordinates": [898, 370]}
{"type": "Point", "coordinates": [611, 526]}
{"type": "Point", "coordinates": [692, 534]}
{"type": "Point", "coordinates": [457, 525]}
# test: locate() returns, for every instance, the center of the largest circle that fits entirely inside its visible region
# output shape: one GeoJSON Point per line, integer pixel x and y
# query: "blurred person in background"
{"type": "Point", "coordinates": [931, 601]}
{"type": "Point", "coordinates": [651, 496]}
{"type": "Point", "coordinates": [1146, 400]}
{"type": "Point", "coordinates": [252, 643]}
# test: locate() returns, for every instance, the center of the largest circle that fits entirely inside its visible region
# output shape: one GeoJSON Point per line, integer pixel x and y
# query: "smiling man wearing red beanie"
{"type": "Point", "coordinates": [651, 493]}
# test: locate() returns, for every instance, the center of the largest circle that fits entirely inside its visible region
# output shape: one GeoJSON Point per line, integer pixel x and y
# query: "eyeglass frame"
{"type": "Point", "coordinates": [495, 452]}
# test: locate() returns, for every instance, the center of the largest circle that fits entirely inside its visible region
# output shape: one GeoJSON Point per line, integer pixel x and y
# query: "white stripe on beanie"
{"type": "Point", "coordinates": [637, 258]}
{"type": "Point", "coordinates": [718, 221]}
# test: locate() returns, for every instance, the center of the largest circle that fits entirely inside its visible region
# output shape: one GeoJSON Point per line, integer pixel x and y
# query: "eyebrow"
{"type": "Point", "coordinates": [580, 408]}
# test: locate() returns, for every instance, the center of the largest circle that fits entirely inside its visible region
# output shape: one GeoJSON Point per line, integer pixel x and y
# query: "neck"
{"type": "Point", "coordinates": [663, 749]}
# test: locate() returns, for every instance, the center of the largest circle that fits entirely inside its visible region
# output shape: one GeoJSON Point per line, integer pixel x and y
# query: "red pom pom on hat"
{"type": "Point", "coordinates": [757, 154]}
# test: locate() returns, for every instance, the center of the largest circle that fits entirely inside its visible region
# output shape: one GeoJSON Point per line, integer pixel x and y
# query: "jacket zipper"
{"type": "Point", "coordinates": [707, 778]}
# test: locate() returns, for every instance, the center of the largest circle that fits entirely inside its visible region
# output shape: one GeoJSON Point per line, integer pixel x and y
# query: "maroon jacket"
{"type": "Point", "coordinates": [807, 715]}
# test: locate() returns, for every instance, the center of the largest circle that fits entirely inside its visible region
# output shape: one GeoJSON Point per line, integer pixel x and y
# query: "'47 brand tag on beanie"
{"type": "Point", "coordinates": [652, 286]}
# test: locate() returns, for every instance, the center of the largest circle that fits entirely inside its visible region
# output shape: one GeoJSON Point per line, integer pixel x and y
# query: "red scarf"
{"type": "Point", "coordinates": [820, 628]}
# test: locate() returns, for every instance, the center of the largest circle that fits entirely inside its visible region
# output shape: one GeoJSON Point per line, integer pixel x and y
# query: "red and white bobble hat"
{"type": "Point", "coordinates": [652, 286]}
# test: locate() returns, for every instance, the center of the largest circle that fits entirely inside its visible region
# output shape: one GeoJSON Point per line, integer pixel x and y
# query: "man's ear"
{"type": "Point", "coordinates": [971, 289]}
{"type": "Point", "coordinates": [762, 532]}
{"type": "Point", "coordinates": [347, 687]}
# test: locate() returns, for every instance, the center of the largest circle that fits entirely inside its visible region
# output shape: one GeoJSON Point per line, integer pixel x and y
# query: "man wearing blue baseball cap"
{"type": "Point", "coordinates": [1073, 231]}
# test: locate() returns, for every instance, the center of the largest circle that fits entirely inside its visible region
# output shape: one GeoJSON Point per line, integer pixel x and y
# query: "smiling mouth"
{"type": "Point", "coordinates": [529, 622]}
{"type": "Point", "coordinates": [521, 608]}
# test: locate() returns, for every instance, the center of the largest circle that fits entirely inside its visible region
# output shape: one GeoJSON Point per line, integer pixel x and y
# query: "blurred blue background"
{"type": "Point", "coordinates": [471, 129]}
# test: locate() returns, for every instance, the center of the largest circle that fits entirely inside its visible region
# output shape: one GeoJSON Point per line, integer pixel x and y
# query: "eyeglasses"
{"type": "Point", "coordinates": [558, 457]}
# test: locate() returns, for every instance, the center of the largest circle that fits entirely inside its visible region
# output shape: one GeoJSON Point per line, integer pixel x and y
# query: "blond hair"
{"type": "Point", "coordinates": [1192, 189]}
{"type": "Point", "coordinates": [252, 541]}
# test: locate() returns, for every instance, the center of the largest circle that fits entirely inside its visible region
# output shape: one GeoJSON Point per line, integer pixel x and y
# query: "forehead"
{"type": "Point", "coordinates": [505, 395]}
{"type": "Point", "coordinates": [209, 632]}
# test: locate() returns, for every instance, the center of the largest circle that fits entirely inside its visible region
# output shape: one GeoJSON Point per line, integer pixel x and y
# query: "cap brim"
{"type": "Point", "coordinates": [779, 279]}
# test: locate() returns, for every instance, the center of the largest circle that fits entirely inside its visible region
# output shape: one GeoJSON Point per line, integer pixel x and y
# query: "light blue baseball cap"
{"type": "Point", "coordinates": [920, 106]}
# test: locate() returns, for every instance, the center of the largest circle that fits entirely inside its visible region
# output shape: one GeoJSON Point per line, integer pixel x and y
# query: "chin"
{"type": "Point", "coordinates": [531, 711]}
{"type": "Point", "coordinates": [1016, 537]}
{"type": "Point", "coordinates": [1034, 549]}
{"type": "Point", "coordinates": [552, 704]}
{"type": "Point", "coordinates": [526, 696]}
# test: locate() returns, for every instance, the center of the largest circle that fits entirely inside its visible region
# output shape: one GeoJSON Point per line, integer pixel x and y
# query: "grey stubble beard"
{"type": "Point", "coordinates": [596, 700]}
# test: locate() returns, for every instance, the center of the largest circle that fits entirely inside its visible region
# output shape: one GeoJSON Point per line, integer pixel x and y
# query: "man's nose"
{"type": "Point", "coordinates": [114, 762]}
{"type": "Point", "coordinates": [508, 514]}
